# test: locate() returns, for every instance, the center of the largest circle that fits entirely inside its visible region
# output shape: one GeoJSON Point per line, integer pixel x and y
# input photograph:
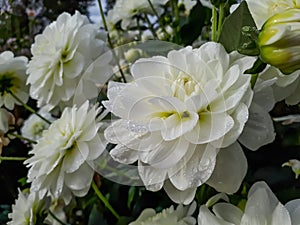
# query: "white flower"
{"type": "Point", "coordinates": [262, 208]}
{"type": "Point", "coordinates": [182, 215]}
{"type": "Point", "coordinates": [12, 79]}
{"type": "Point", "coordinates": [61, 55]}
{"type": "Point", "coordinates": [34, 126]}
{"type": "Point", "coordinates": [62, 161]}
{"type": "Point", "coordinates": [124, 10]}
{"type": "Point", "coordinates": [264, 9]}
{"type": "Point", "coordinates": [177, 113]}
{"type": "Point", "coordinates": [295, 165]}
{"type": "Point", "coordinates": [28, 209]}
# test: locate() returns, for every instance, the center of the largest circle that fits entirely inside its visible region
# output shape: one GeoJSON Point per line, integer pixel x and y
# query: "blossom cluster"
{"type": "Point", "coordinates": [166, 117]}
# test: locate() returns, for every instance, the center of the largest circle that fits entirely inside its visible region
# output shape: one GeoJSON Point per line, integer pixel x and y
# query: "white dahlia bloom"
{"type": "Point", "coordinates": [34, 126]}
{"type": "Point", "coordinates": [124, 10]}
{"type": "Point", "coordinates": [264, 9]}
{"type": "Point", "coordinates": [177, 113]}
{"type": "Point", "coordinates": [262, 208]}
{"type": "Point", "coordinates": [29, 209]}
{"type": "Point", "coordinates": [182, 215]}
{"type": "Point", "coordinates": [61, 55]}
{"type": "Point", "coordinates": [12, 79]}
{"type": "Point", "coordinates": [62, 160]}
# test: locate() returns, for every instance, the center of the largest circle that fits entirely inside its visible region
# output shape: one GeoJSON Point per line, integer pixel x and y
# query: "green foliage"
{"type": "Point", "coordinates": [232, 37]}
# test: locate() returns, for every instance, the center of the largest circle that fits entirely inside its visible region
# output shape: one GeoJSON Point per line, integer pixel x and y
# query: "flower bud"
{"type": "Point", "coordinates": [279, 41]}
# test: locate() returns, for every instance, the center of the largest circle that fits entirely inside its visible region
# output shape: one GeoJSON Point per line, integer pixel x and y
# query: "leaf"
{"type": "Point", "coordinates": [197, 19]}
{"type": "Point", "coordinates": [131, 193]}
{"type": "Point", "coordinates": [231, 36]}
{"type": "Point", "coordinates": [96, 217]}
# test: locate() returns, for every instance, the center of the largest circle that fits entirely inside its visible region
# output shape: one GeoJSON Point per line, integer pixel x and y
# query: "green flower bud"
{"type": "Point", "coordinates": [279, 41]}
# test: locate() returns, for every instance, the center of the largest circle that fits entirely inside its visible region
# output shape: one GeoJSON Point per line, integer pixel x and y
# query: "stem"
{"type": "Point", "coordinates": [22, 138]}
{"type": "Point", "coordinates": [56, 218]}
{"type": "Point", "coordinates": [104, 200]}
{"type": "Point", "coordinates": [176, 22]}
{"type": "Point", "coordinates": [29, 108]}
{"type": "Point", "coordinates": [214, 24]}
{"type": "Point", "coordinates": [110, 41]}
{"type": "Point", "coordinates": [7, 158]}
{"type": "Point", "coordinates": [220, 21]}
{"type": "Point", "coordinates": [158, 18]}
{"type": "Point", "coordinates": [151, 28]}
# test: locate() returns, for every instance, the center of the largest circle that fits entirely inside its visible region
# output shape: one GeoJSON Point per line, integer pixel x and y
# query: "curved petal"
{"type": "Point", "coordinates": [185, 197]}
{"type": "Point", "coordinates": [228, 212]}
{"type": "Point", "coordinates": [193, 170]}
{"type": "Point", "coordinates": [230, 170]}
{"type": "Point", "coordinates": [206, 217]}
{"type": "Point", "coordinates": [258, 130]}
{"type": "Point", "coordinates": [210, 127]}
{"type": "Point", "coordinates": [294, 209]}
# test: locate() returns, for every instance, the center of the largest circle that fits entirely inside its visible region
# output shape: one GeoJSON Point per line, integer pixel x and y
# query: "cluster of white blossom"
{"type": "Point", "coordinates": [182, 121]}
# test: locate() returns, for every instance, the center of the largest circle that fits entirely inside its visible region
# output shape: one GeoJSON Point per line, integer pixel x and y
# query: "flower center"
{"type": "Point", "coordinates": [7, 82]}
{"type": "Point", "coordinates": [184, 86]}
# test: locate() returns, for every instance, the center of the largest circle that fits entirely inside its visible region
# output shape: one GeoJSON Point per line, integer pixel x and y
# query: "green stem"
{"type": "Point", "coordinates": [158, 18]}
{"type": "Point", "coordinates": [22, 138]}
{"type": "Point", "coordinates": [151, 28]}
{"type": "Point", "coordinates": [110, 41]}
{"type": "Point", "coordinates": [220, 21]}
{"type": "Point", "coordinates": [56, 218]}
{"type": "Point", "coordinates": [104, 200]}
{"type": "Point", "coordinates": [214, 24]}
{"type": "Point", "coordinates": [28, 107]}
{"type": "Point", "coordinates": [7, 158]}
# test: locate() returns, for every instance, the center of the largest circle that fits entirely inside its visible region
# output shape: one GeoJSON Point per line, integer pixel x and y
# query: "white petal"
{"type": "Point", "coordinates": [260, 205]}
{"type": "Point", "coordinates": [194, 169]}
{"type": "Point", "coordinates": [210, 127]}
{"type": "Point", "coordinates": [185, 197]}
{"type": "Point", "coordinates": [85, 172]}
{"type": "Point", "coordinates": [230, 169]}
{"type": "Point", "coordinates": [294, 209]}
{"type": "Point", "coordinates": [152, 178]}
{"type": "Point", "coordinates": [280, 216]}
{"type": "Point", "coordinates": [206, 217]}
{"type": "Point", "coordinates": [240, 117]}
{"type": "Point", "coordinates": [258, 130]}
{"type": "Point", "coordinates": [228, 212]}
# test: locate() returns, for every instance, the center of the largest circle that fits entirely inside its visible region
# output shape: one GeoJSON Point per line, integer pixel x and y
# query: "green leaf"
{"type": "Point", "coordinates": [96, 217]}
{"type": "Point", "coordinates": [198, 17]}
{"type": "Point", "coordinates": [131, 193]}
{"type": "Point", "coordinates": [232, 37]}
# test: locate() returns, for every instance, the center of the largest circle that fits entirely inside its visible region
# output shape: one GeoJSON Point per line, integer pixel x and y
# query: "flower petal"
{"type": "Point", "coordinates": [230, 169]}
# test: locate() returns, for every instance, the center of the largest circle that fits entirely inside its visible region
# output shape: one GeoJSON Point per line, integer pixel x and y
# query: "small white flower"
{"type": "Point", "coordinates": [295, 165]}
{"type": "Point", "coordinates": [262, 208]}
{"type": "Point", "coordinates": [182, 215]}
{"type": "Point", "coordinates": [176, 114]}
{"type": "Point", "coordinates": [124, 10]}
{"type": "Point", "coordinates": [12, 79]}
{"type": "Point", "coordinates": [61, 56]}
{"type": "Point", "coordinates": [28, 209]}
{"type": "Point", "coordinates": [34, 126]}
{"type": "Point", "coordinates": [62, 161]}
